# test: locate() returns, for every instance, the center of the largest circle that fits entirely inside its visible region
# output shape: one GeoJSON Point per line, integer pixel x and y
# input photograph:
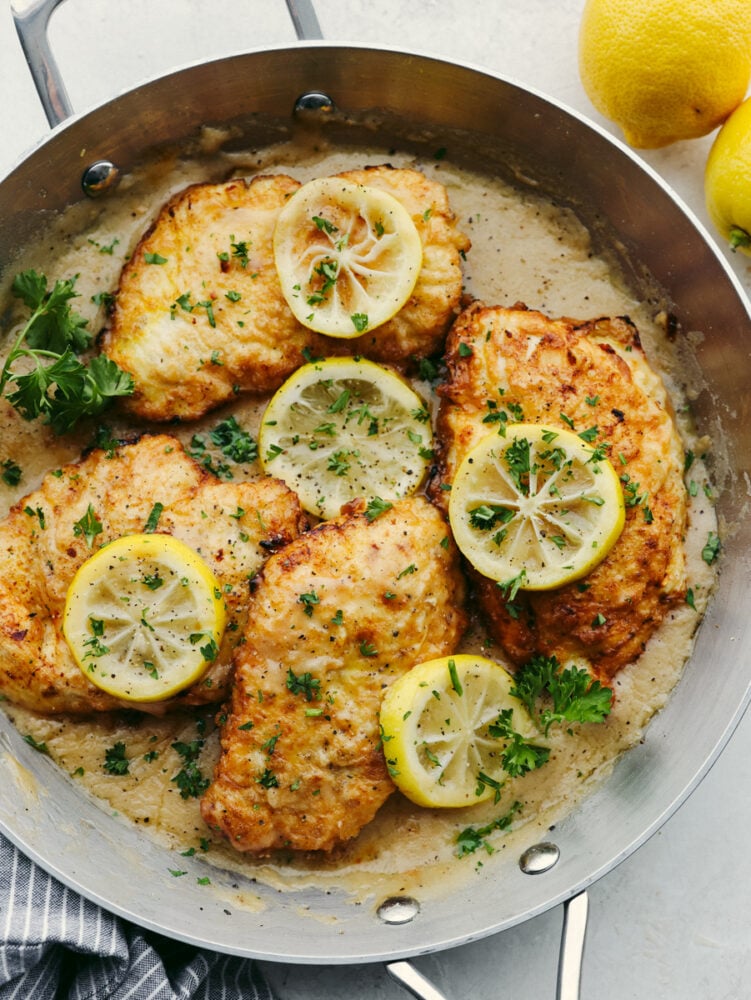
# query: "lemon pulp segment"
{"type": "Point", "coordinates": [537, 508]}
{"type": "Point", "coordinates": [347, 255]}
{"type": "Point", "coordinates": [144, 617]}
{"type": "Point", "coordinates": [345, 428]}
{"type": "Point", "coordinates": [436, 725]}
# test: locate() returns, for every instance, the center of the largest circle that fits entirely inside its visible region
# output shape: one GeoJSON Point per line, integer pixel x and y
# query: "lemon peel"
{"type": "Point", "coordinates": [347, 255]}
{"type": "Point", "coordinates": [344, 428]}
{"type": "Point", "coordinates": [727, 180]}
{"type": "Point", "coordinates": [436, 726]}
{"type": "Point", "coordinates": [537, 507]}
{"type": "Point", "coordinates": [665, 70]}
{"type": "Point", "coordinates": [144, 617]}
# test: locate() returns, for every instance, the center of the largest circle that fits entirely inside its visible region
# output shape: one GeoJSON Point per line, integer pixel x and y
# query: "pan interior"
{"type": "Point", "coordinates": [489, 125]}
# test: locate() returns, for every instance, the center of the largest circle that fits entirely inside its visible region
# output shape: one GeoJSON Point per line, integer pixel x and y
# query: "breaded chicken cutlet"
{"type": "Point", "coordinates": [199, 313]}
{"type": "Point", "coordinates": [518, 365]}
{"type": "Point", "coordinates": [336, 617]}
{"type": "Point", "coordinates": [232, 526]}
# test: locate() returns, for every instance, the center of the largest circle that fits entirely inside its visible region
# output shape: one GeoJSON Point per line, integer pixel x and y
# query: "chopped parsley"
{"type": "Point", "coordinates": [153, 519]}
{"type": "Point", "coordinates": [268, 779]}
{"type": "Point", "coordinates": [115, 760]}
{"type": "Point", "coordinates": [308, 602]}
{"type": "Point", "coordinates": [305, 684]}
{"type": "Point", "coordinates": [485, 517]}
{"type": "Point", "coordinates": [711, 549]}
{"type": "Point", "coordinates": [11, 474]}
{"type": "Point", "coordinates": [472, 838]}
{"type": "Point", "coordinates": [89, 526]}
{"type": "Point", "coordinates": [210, 650]}
{"type": "Point", "coordinates": [326, 272]}
{"type": "Point", "coordinates": [376, 507]}
{"type": "Point", "coordinates": [190, 780]}
{"type": "Point", "coordinates": [456, 684]}
{"type": "Point", "coordinates": [233, 441]}
{"type": "Point", "coordinates": [40, 747]}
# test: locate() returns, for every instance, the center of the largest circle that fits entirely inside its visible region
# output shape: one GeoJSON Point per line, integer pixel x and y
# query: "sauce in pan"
{"type": "Point", "coordinates": [524, 249]}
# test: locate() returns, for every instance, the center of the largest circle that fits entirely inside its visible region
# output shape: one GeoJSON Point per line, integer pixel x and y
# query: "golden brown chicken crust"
{"type": "Point", "coordinates": [199, 313]}
{"type": "Point", "coordinates": [336, 617]}
{"type": "Point", "coordinates": [519, 363]}
{"type": "Point", "coordinates": [210, 319]}
{"type": "Point", "coordinates": [233, 526]}
{"type": "Point", "coordinates": [418, 329]}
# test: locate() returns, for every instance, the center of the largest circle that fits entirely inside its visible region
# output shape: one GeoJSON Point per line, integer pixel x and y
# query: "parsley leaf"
{"type": "Point", "coordinates": [376, 507]}
{"type": "Point", "coordinates": [520, 756]}
{"type": "Point", "coordinates": [711, 549]}
{"type": "Point", "coordinates": [153, 519]}
{"type": "Point", "coordinates": [189, 779]}
{"type": "Point", "coordinates": [89, 526]}
{"type": "Point", "coordinates": [53, 325]}
{"type": "Point", "coordinates": [472, 838]}
{"type": "Point", "coordinates": [575, 696]}
{"type": "Point", "coordinates": [40, 747]}
{"type": "Point", "coordinates": [234, 442]}
{"type": "Point", "coordinates": [115, 760]}
{"type": "Point", "coordinates": [305, 684]}
{"type": "Point", "coordinates": [12, 472]}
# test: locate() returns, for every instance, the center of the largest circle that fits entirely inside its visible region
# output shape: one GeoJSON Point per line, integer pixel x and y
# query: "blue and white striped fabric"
{"type": "Point", "coordinates": [55, 945]}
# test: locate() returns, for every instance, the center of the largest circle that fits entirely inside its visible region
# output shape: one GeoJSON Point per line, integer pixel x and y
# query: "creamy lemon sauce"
{"type": "Point", "coordinates": [524, 249]}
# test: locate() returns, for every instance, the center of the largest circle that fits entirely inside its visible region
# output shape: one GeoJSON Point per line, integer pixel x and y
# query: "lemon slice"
{"type": "Point", "coordinates": [144, 617]}
{"type": "Point", "coordinates": [437, 727]}
{"type": "Point", "coordinates": [347, 256]}
{"type": "Point", "coordinates": [537, 508]}
{"type": "Point", "coordinates": [345, 428]}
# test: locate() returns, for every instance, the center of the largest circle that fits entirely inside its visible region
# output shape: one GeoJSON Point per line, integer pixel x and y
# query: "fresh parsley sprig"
{"type": "Point", "coordinates": [58, 386]}
{"type": "Point", "coordinates": [575, 695]}
{"type": "Point", "coordinates": [520, 755]}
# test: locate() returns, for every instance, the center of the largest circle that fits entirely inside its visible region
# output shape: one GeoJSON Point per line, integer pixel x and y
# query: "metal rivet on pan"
{"type": "Point", "coordinates": [398, 910]}
{"type": "Point", "coordinates": [314, 103]}
{"type": "Point", "coordinates": [539, 858]}
{"type": "Point", "coordinates": [99, 177]}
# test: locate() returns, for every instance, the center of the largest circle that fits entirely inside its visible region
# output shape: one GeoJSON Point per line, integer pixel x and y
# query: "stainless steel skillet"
{"type": "Point", "coordinates": [587, 167]}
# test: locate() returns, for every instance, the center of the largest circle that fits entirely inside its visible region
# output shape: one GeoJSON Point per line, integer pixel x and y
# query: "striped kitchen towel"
{"type": "Point", "coordinates": [55, 945]}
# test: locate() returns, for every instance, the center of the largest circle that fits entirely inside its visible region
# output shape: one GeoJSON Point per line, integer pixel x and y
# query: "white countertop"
{"type": "Point", "coordinates": [674, 920]}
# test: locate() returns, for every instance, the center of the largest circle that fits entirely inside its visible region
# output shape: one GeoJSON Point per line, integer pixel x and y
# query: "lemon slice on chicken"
{"type": "Point", "coordinates": [346, 428]}
{"type": "Point", "coordinates": [444, 737]}
{"type": "Point", "coordinates": [347, 255]}
{"type": "Point", "coordinates": [144, 617]}
{"type": "Point", "coordinates": [536, 508]}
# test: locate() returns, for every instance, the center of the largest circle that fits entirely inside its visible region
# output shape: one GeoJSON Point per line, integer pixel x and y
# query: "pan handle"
{"type": "Point", "coordinates": [31, 18]}
{"type": "Point", "coordinates": [413, 981]}
{"type": "Point", "coordinates": [575, 913]}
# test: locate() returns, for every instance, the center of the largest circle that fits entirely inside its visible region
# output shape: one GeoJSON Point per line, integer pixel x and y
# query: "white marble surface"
{"type": "Point", "coordinates": [674, 921]}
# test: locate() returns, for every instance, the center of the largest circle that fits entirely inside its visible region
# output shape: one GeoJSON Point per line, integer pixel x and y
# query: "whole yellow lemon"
{"type": "Point", "coordinates": [665, 70]}
{"type": "Point", "coordinates": [727, 179]}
